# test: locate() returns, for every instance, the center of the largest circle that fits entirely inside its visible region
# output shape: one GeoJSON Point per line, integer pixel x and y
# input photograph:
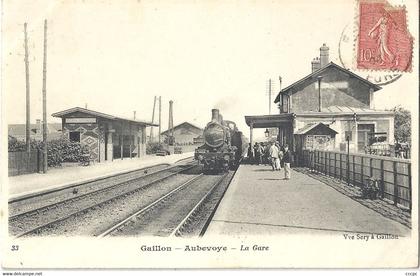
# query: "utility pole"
{"type": "Point", "coordinates": [28, 111]}
{"type": "Point", "coordinates": [160, 116]}
{"type": "Point", "coordinates": [44, 100]}
{"type": "Point", "coordinates": [171, 138]}
{"type": "Point", "coordinates": [281, 103]}
{"type": "Point", "coordinates": [171, 119]}
{"type": "Point", "coordinates": [269, 97]}
{"type": "Point", "coordinates": [153, 120]}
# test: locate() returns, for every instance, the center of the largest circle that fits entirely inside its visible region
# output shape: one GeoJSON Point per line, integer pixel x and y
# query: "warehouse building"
{"type": "Point", "coordinates": [184, 133]}
{"type": "Point", "coordinates": [107, 136]}
{"type": "Point", "coordinates": [18, 131]}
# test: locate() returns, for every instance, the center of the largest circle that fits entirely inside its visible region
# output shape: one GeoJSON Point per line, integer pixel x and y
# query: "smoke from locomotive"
{"type": "Point", "coordinates": [223, 144]}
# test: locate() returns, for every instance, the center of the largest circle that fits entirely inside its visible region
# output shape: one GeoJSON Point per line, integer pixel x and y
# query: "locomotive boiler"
{"type": "Point", "coordinates": [223, 145]}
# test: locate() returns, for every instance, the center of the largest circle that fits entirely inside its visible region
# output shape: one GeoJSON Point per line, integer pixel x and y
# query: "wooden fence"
{"type": "Point", "coordinates": [22, 162]}
{"type": "Point", "coordinates": [393, 174]}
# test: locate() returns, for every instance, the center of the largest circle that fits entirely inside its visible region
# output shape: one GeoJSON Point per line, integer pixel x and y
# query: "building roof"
{"type": "Point", "coordinates": [182, 125]}
{"type": "Point", "coordinates": [346, 110]}
{"type": "Point", "coordinates": [319, 73]}
{"type": "Point", "coordinates": [306, 129]}
{"type": "Point", "coordinates": [17, 130]}
{"type": "Point", "coordinates": [66, 112]}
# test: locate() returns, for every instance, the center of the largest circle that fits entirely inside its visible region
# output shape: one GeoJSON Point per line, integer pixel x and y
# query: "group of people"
{"type": "Point", "coordinates": [275, 155]}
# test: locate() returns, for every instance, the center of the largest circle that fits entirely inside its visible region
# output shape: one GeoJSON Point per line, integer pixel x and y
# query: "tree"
{"type": "Point", "coordinates": [402, 124]}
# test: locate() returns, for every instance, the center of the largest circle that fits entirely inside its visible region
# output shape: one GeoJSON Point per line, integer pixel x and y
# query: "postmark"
{"type": "Point", "coordinates": [346, 57]}
{"type": "Point", "coordinates": [383, 40]}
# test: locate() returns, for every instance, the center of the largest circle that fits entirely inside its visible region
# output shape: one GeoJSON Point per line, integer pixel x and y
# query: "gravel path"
{"type": "Point", "coordinates": [260, 202]}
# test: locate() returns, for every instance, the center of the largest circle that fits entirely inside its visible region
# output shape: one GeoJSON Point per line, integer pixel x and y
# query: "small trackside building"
{"type": "Point", "coordinates": [108, 137]}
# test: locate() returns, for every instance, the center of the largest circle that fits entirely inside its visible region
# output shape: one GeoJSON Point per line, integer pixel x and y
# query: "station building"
{"type": "Point", "coordinates": [325, 109]}
{"type": "Point", "coordinates": [108, 137]}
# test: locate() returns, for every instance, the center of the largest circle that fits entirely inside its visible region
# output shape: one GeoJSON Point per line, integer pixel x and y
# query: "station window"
{"type": "Point", "coordinates": [74, 136]}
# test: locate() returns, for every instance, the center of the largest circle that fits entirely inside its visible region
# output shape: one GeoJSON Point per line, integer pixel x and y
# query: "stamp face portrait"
{"type": "Point", "coordinates": [384, 42]}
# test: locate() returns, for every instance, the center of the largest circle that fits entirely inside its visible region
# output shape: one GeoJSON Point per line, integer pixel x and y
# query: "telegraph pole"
{"type": "Point", "coordinates": [281, 103]}
{"type": "Point", "coordinates": [160, 115]}
{"type": "Point", "coordinates": [269, 97]}
{"type": "Point", "coordinates": [28, 111]}
{"type": "Point", "coordinates": [44, 100]}
{"type": "Point", "coordinates": [153, 120]}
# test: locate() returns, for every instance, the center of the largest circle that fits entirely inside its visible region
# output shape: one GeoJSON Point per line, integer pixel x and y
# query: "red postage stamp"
{"type": "Point", "coordinates": [384, 42]}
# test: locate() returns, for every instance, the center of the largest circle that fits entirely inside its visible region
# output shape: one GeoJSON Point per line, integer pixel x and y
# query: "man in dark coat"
{"type": "Point", "coordinates": [287, 159]}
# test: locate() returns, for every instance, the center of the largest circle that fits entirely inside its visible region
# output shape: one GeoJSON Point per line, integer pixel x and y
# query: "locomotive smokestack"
{"type": "Point", "coordinates": [220, 118]}
{"type": "Point", "coordinates": [215, 115]}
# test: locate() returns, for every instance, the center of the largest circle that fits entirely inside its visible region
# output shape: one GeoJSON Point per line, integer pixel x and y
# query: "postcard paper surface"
{"type": "Point", "coordinates": [209, 134]}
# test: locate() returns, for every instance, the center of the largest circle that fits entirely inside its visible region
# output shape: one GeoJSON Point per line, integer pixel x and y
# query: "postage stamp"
{"type": "Point", "coordinates": [384, 42]}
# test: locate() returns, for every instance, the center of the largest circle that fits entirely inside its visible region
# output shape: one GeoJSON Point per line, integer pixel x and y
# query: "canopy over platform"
{"type": "Point", "coordinates": [316, 127]}
{"type": "Point", "coordinates": [267, 121]}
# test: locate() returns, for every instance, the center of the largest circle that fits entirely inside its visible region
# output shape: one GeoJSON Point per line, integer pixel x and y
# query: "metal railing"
{"type": "Point", "coordinates": [392, 174]}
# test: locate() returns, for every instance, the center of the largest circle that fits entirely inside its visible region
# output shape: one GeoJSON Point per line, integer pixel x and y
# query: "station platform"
{"type": "Point", "coordinates": [260, 202]}
{"type": "Point", "coordinates": [28, 184]}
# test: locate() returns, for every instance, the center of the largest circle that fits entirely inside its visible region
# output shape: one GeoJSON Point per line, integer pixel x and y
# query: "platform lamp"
{"type": "Point", "coordinates": [266, 132]}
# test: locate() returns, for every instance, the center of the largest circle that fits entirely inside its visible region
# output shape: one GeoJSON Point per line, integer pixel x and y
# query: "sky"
{"type": "Point", "coordinates": [115, 56]}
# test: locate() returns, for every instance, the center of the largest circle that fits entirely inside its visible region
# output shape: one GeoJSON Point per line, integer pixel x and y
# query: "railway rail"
{"type": "Point", "coordinates": [177, 213]}
{"type": "Point", "coordinates": [37, 201]}
{"type": "Point", "coordinates": [35, 220]}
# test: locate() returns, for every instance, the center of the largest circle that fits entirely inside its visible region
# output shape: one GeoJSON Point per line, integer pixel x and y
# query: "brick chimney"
{"type": "Point", "coordinates": [38, 127]}
{"type": "Point", "coordinates": [324, 55]}
{"type": "Point", "coordinates": [316, 64]}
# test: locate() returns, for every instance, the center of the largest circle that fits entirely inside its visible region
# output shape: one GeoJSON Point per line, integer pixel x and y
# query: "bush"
{"type": "Point", "coordinates": [58, 151]}
{"type": "Point", "coordinates": [17, 145]}
{"type": "Point", "coordinates": [153, 147]}
{"type": "Point", "coordinates": [62, 150]}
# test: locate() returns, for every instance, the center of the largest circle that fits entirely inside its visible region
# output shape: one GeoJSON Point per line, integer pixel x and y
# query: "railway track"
{"type": "Point", "coordinates": [33, 221]}
{"type": "Point", "coordinates": [182, 211]}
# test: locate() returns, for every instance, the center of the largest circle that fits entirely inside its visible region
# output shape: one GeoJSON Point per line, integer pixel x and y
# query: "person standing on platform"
{"type": "Point", "coordinates": [262, 151]}
{"type": "Point", "coordinates": [274, 156]}
{"type": "Point", "coordinates": [287, 159]}
{"type": "Point", "coordinates": [257, 152]}
{"type": "Point", "coordinates": [281, 153]}
{"type": "Point", "coordinates": [250, 154]}
{"type": "Point", "coordinates": [267, 158]}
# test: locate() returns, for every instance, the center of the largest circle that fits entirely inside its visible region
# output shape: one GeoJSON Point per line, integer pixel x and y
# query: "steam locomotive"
{"type": "Point", "coordinates": [223, 145]}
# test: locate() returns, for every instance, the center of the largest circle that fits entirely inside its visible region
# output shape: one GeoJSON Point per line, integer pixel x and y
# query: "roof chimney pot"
{"type": "Point", "coordinates": [315, 64]}
{"type": "Point", "coordinates": [324, 55]}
